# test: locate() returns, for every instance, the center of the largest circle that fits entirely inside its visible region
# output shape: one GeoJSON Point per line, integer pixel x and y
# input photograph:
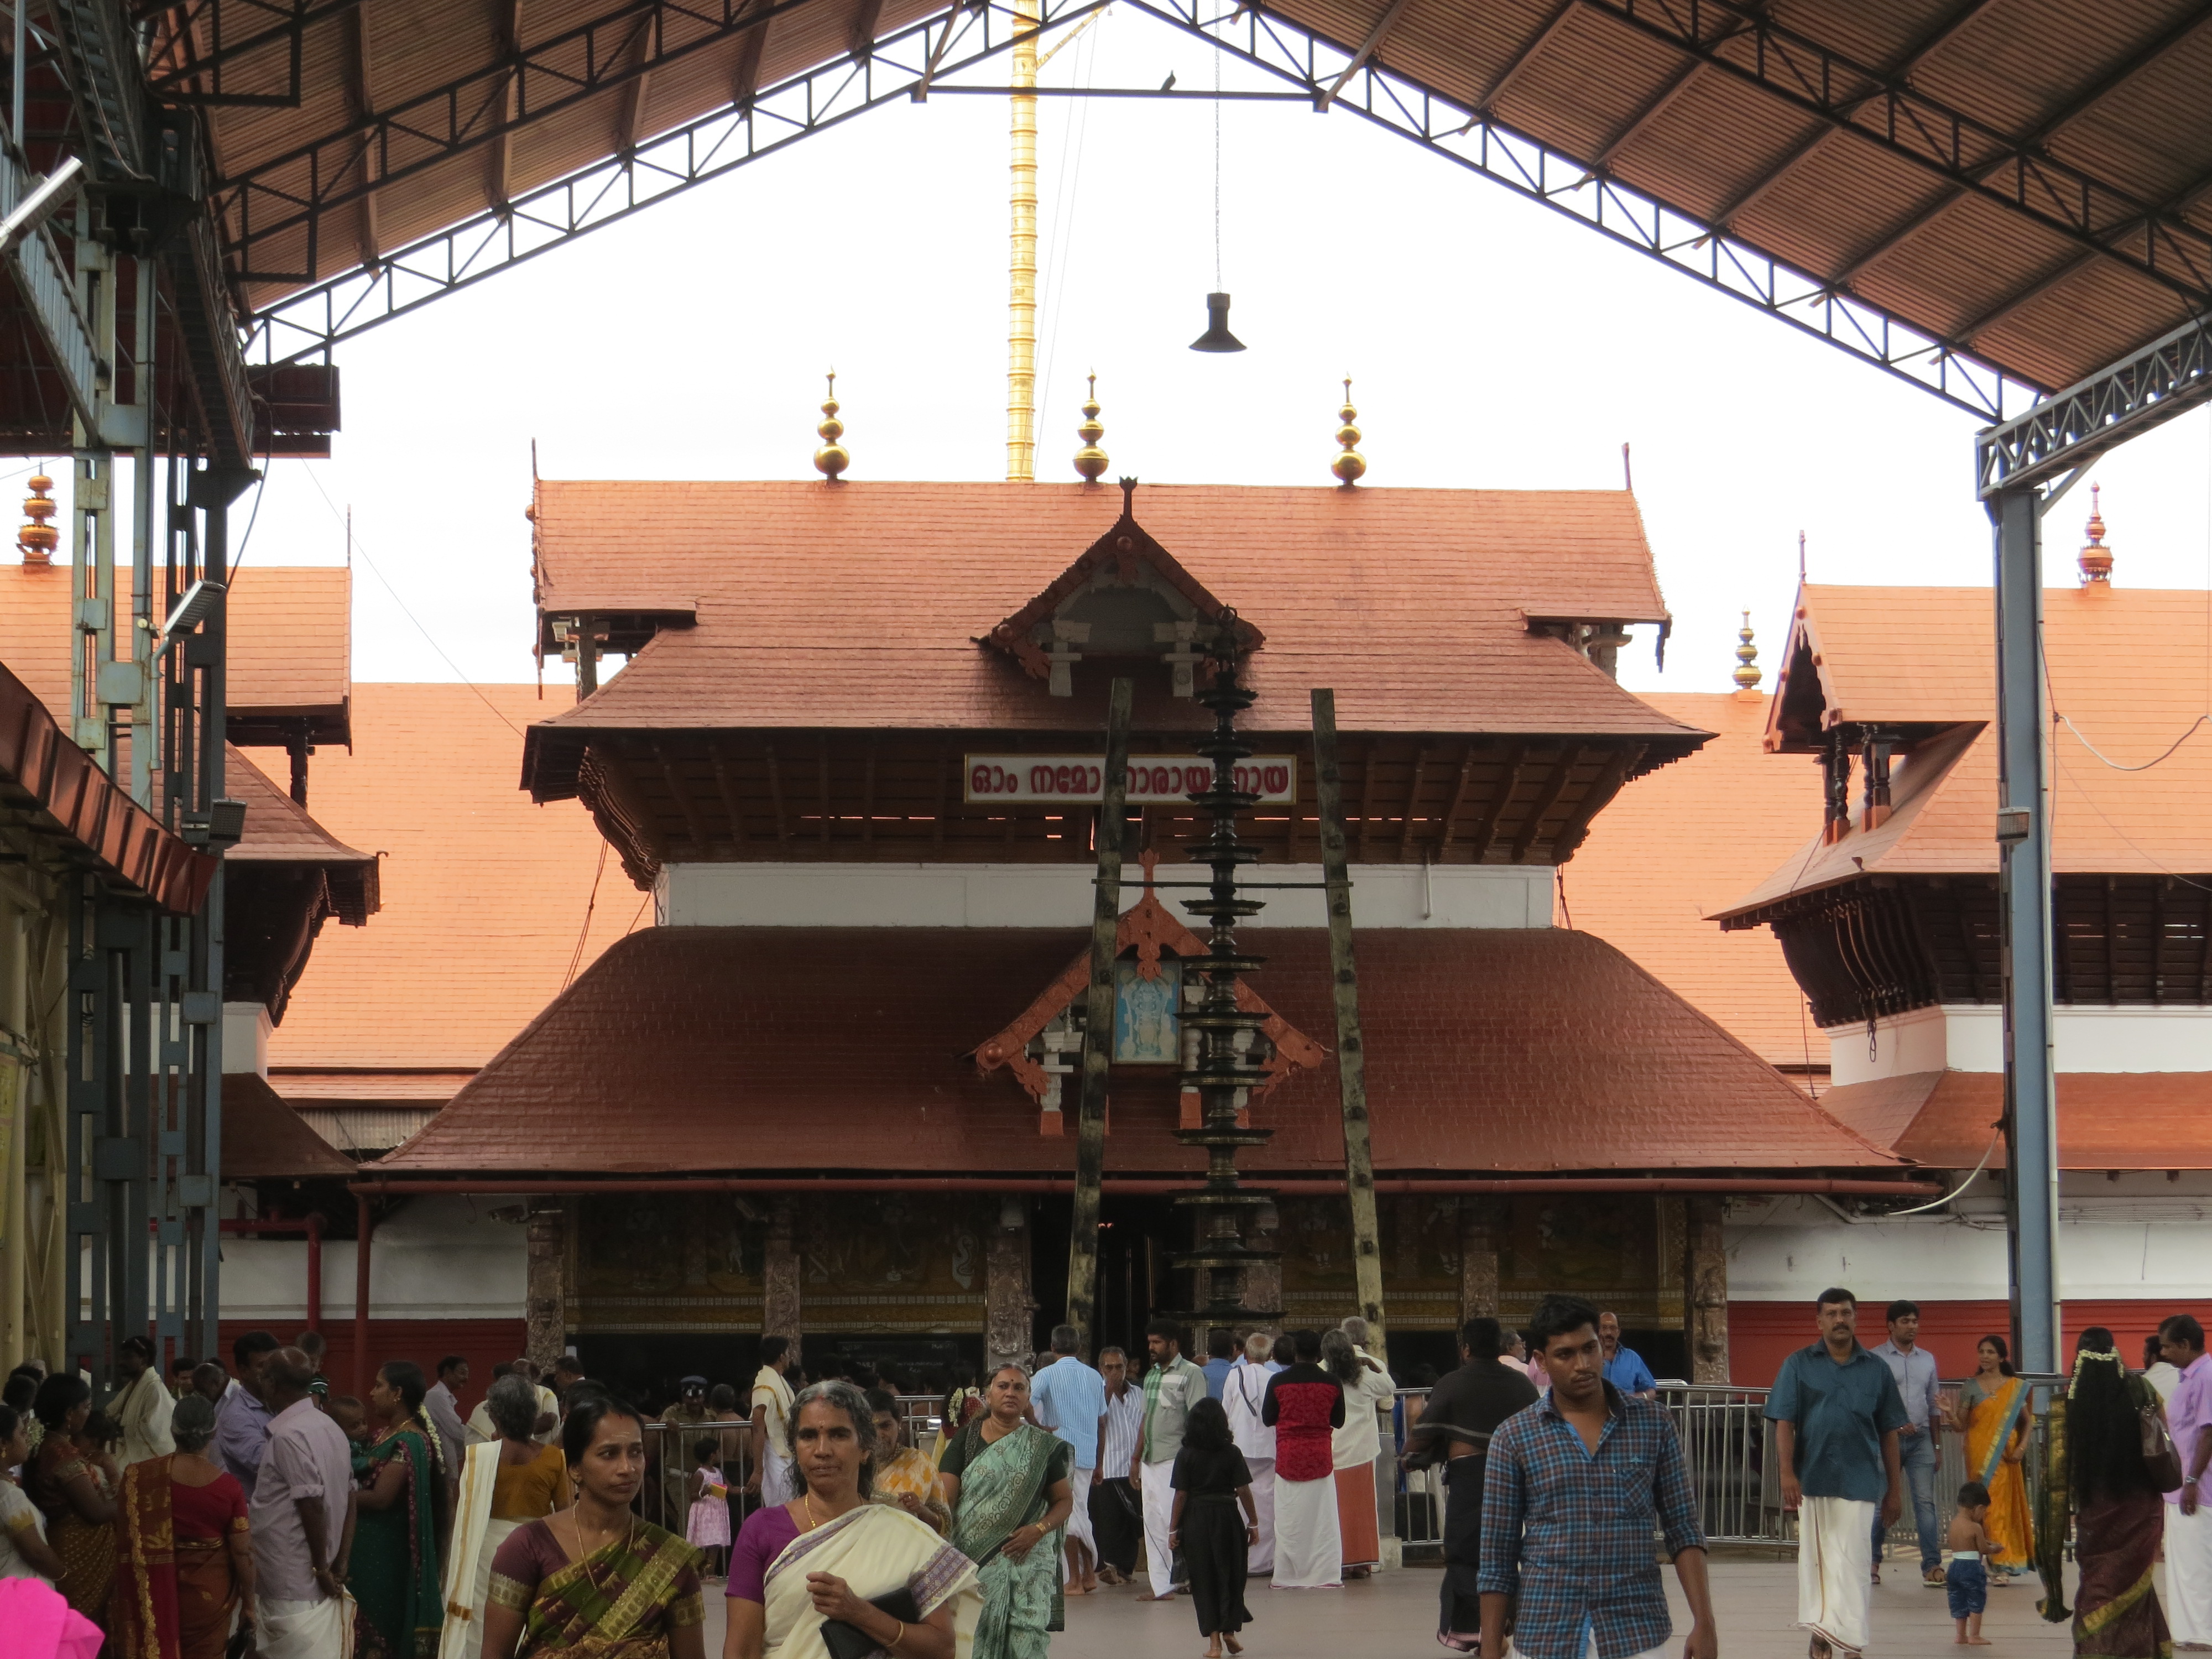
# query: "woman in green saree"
{"type": "Point", "coordinates": [593, 1580]}
{"type": "Point", "coordinates": [1007, 1482]}
{"type": "Point", "coordinates": [394, 1572]}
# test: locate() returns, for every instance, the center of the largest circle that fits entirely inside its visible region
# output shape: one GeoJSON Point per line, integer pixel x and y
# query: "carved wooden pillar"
{"type": "Point", "coordinates": [1704, 1299]}
{"type": "Point", "coordinates": [1478, 1258]}
{"type": "Point", "coordinates": [1263, 1281]}
{"type": "Point", "coordinates": [780, 1277]}
{"type": "Point", "coordinates": [1007, 1303]}
{"type": "Point", "coordinates": [545, 1294]}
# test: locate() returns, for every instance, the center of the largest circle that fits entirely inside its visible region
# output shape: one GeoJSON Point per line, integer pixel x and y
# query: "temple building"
{"type": "Point", "coordinates": [853, 763]}
{"type": "Point", "coordinates": [1867, 963]}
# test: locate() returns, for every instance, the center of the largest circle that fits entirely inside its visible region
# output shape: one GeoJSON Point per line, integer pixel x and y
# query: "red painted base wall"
{"type": "Point", "coordinates": [483, 1342]}
{"type": "Point", "coordinates": [1761, 1334]}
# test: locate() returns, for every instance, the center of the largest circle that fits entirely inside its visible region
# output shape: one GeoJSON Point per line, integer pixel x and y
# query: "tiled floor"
{"type": "Point", "coordinates": [1395, 1613]}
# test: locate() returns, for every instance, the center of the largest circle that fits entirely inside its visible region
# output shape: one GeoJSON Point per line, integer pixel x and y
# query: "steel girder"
{"type": "Point", "coordinates": [898, 66]}
{"type": "Point", "coordinates": [634, 39]}
{"type": "Point", "coordinates": [2169, 377]}
{"type": "Point", "coordinates": [307, 324]}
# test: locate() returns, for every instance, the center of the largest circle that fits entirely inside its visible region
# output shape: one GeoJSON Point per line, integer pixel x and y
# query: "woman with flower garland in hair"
{"type": "Point", "coordinates": [2096, 1472]}
{"type": "Point", "coordinates": [396, 1564]}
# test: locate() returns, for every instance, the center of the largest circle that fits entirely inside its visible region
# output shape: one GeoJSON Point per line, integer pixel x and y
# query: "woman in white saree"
{"type": "Point", "coordinates": [834, 1554]}
{"type": "Point", "coordinates": [505, 1484]}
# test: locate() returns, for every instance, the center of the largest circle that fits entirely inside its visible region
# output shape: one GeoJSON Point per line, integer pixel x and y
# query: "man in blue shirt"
{"type": "Point", "coordinates": [1576, 1487]}
{"type": "Point", "coordinates": [1914, 1368]}
{"type": "Point", "coordinates": [1069, 1398]}
{"type": "Point", "coordinates": [1837, 1415]}
{"type": "Point", "coordinates": [1220, 1360]}
{"type": "Point", "coordinates": [1623, 1367]}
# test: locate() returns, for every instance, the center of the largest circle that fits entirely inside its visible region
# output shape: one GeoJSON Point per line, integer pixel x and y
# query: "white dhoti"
{"type": "Point", "coordinates": [1157, 1485]}
{"type": "Point", "coordinates": [1835, 1569]}
{"type": "Point", "coordinates": [776, 1484]}
{"type": "Point", "coordinates": [2189, 1574]}
{"type": "Point", "coordinates": [1309, 1548]}
{"type": "Point", "coordinates": [305, 1630]}
{"type": "Point", "coordinates": [1262, 1556]}
{"type": "Point", "coordinates": [1079, 1530]}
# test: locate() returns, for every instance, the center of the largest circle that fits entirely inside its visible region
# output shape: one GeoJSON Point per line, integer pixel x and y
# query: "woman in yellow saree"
{"type": "Point", "coordinates": [594, 1581]}
{"type": "Point", "coordinates": [837, 1571]}
{"type": "Point", "coordinates": [1992, 1413]}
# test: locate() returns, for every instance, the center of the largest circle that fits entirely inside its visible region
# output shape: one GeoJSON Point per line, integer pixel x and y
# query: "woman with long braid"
{"type": "Point", "coordinates": [396, 1565]}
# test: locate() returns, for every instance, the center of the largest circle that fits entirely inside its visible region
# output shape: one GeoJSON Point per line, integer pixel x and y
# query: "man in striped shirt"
{"type": "Point", "coordinates": [1116, 1518]}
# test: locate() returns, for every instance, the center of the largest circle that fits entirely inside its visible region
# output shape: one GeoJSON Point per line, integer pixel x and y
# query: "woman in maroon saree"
{"type": "Point", "coordinates": [2119, 1517]}
{"type": "Point", "coordinates": [185, 1561]}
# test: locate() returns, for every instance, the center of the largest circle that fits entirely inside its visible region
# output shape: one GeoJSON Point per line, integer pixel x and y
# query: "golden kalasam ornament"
{"type": "Point", "coordinates": [1747, 675]}
{"type": "Point", "coordinates": [831, 458]}
{"type": "Point", "coordinates": [1351, 466]}
{"type": "Point", "coordinates": [38, 539]}
{"type": "Point", "coordinates": [1090, 460]}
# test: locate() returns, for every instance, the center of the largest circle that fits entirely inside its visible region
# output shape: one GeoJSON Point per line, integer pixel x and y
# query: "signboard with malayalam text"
{"type": "Point", "coordinates": [1154, 780]}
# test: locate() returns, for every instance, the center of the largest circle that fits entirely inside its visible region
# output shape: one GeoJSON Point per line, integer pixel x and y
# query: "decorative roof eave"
{"type": "Point", "coordinates": [1126, 545]}
{"type": "Point", "coordinates": [1147, 928]}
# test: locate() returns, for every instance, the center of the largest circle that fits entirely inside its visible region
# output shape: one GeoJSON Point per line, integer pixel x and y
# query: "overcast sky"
{"type": "Point", "coordinates": [1494, 344]}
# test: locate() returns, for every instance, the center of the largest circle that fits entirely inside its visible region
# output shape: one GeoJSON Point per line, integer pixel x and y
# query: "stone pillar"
{"type": "Point", "coordinates": [1478, 1258]}
{"type": "Point", "coordinates": [1704, 1292]}
{"type": "Point", "coordinates": [1008, 1306]}
{"type": "Point", "coordinates": [780, 1277]}
{"type": "Point", "coordinates": [545, 1297]}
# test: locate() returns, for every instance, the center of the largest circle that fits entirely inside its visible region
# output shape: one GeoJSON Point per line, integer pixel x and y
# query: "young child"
{"type": "Point", "coordinates": [347, 1414]}
{"type": "Point", "coordinates": [1211, 1485]}
{"type": "Point", "coordinates": [1967, 1579]}
{"type": "Point", "coordinates": [707, 1525]}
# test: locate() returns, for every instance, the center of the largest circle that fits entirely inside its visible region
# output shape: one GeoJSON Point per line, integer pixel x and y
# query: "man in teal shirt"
{"type": "Point", "coordinates": [1837, 1412]}
{"type": "Point", "coordinates": [1172, 1386]}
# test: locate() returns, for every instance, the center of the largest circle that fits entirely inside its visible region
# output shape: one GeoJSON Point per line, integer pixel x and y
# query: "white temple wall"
{"type": "Point", "coordinates": [1969, 1037]}
{"type": "Point", "coordinates": [436, 1258]}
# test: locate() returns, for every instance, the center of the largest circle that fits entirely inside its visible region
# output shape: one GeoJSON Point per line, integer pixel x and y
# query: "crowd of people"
{"type": "Point", "coordinates": [229, 1512]}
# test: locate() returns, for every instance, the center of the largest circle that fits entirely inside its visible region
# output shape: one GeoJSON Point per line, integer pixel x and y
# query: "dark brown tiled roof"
{"type": "Point", "coordinates": [279, 831]}
{"type": "Point", "coordinates": [264, 1139]}
{"type": "Point", "coordinates": [859, 606]}
{"type": "Point", "coordinates": [2106, 1119]}
{"type": "Point", "coordinates": [698, 1050]}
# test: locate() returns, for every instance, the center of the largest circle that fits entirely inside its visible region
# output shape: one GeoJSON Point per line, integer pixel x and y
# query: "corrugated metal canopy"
{"type": "Point", "coordinates": [2026, 181]}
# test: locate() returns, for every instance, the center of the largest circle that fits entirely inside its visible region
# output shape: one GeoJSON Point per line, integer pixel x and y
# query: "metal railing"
{"type": "Point", "coordinates": [1730, 1445]}
{"type": "Point", "coordinates": [670, 1456]}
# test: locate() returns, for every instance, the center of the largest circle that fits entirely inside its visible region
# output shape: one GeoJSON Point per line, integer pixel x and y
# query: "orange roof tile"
{"type": "Point", "coordinates": [694, 1049]}
{"type": "Point", "coordinates": [483, 893]}
{"type": "Point", "coordinates": [2129, 673]}
{"type": "Point", "coordinates": [2106, 1119]}
{"type": "Point", "coordinates": [1675, 844]}
{"type": "Point", "coordinates": [858, 605]}
{"type": "Point", "coordinates": [291, 642]}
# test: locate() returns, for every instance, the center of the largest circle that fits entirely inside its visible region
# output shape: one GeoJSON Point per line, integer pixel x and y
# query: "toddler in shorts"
{"type": "Point", "coordinates": [1967, 1580]}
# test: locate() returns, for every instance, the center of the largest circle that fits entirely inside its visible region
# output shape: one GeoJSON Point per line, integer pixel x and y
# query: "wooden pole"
{"type": "Point", "coordinates": [1351, 1057]}
{"type": "Point", "coordinates": [1098, 1027]}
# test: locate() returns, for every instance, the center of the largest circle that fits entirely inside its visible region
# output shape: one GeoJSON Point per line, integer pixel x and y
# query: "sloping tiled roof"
{"type": "Point", "coordinates": [264, 1139]}
{"type": "Point", "coordinates": [2129, 670]}
{"type": "Point", "coordinates": [2106, 1119]}
{"type": "Point", "coordinates": [858, 605]}
{"type": "Point", "coordinates": [1676, 844]}
{"type": "Point", "coordinates": [688, 1048]}
{"type": "Point", "coordinates": [279, 831]}
{"type": "Point", "coordinates": [290, 636]}
{"type": "Point", "coordinates": [61, 792]}
{"type": "Point", "coordinates": [484, 893]}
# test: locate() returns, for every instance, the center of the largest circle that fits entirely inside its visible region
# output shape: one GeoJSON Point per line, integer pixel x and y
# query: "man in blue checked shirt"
{"type": "Point", "coordinates": [1577, 1486]}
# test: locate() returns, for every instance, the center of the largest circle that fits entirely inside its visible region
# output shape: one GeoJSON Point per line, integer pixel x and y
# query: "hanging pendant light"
{"type": "Point", "coordinates": [1217, 337]}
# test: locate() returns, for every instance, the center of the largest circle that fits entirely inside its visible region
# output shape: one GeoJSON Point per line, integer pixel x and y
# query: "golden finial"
{"type": "Point", "coordinates": [38, 539]}
{"type": "Point", "coordinates": [1351, 466]}
{"type": "Point", "coordinates": [831, 459]}
{"type": "Point", "coordinates": [1747, 675]}
{"type": "Point", "coordinates": [1090, 460]}
{"type": "Point", "coordinates": [2096, 559]}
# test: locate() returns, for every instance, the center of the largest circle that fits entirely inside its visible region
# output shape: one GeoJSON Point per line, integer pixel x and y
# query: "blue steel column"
{"type": "Point", "coordinates": [2031, 1118]}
